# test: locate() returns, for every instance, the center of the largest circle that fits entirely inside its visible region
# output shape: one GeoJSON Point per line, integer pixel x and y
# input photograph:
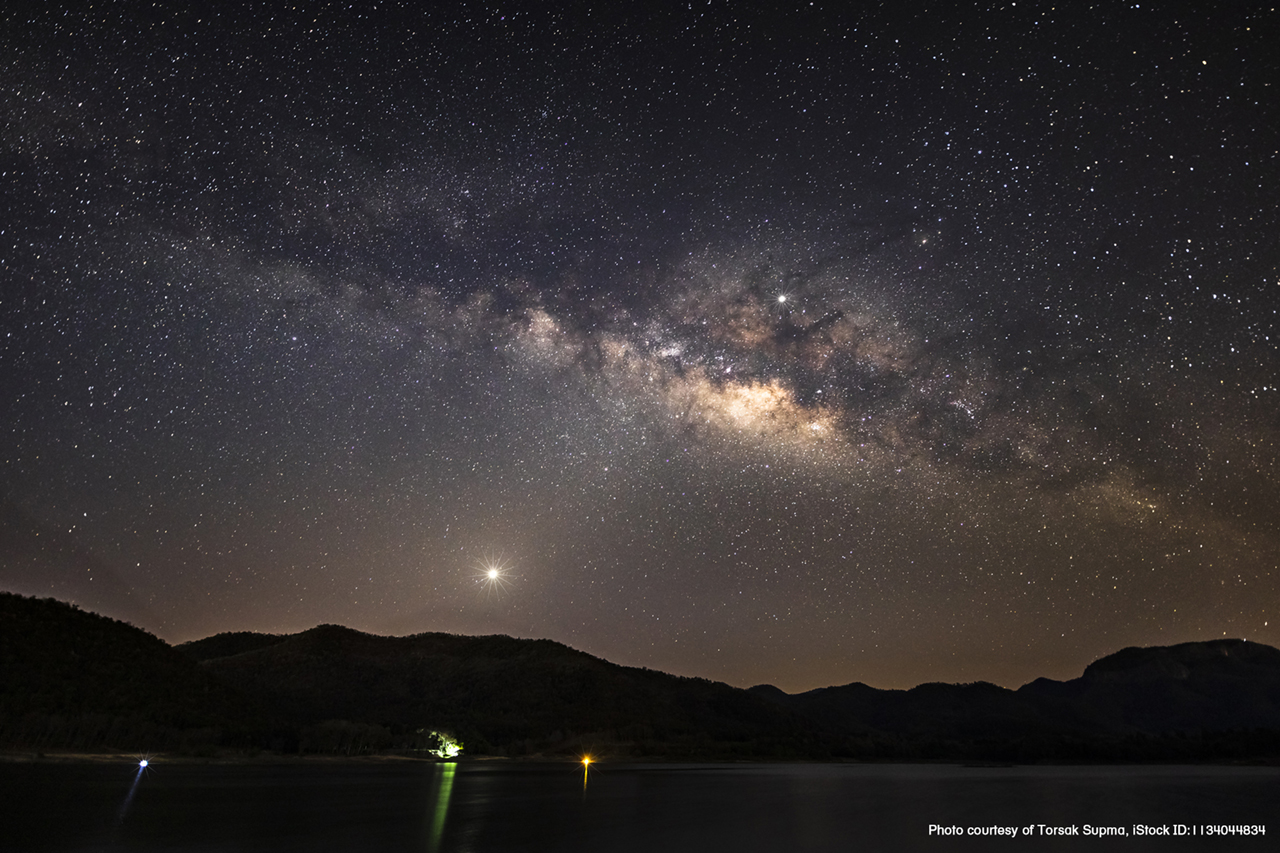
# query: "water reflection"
{"type": "Point", "coordinates": [444, 791]}
{"type": "Point", "coordinates": [503, 807]}
{"type": "Point", "coordinates": [133, 789]}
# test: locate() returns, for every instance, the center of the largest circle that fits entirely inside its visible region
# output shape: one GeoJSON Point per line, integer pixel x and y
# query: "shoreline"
{"type": "Point", "coordinates": [267, 758]}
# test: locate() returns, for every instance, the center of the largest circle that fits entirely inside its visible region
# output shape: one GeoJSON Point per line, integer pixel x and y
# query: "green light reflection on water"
{"type": "Point", "coordinates": [444, 790]}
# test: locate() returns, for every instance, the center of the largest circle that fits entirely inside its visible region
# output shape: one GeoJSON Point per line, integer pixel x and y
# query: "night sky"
{"type": "Point", "coordinates": [801, 346]}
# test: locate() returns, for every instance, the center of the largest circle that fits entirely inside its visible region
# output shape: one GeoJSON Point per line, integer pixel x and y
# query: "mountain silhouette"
{"type": "Point", "coordinates": [73, 679]}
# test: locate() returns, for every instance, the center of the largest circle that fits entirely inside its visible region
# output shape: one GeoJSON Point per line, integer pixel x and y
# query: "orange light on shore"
{"type": "Point", "coordinates": [586, 760]}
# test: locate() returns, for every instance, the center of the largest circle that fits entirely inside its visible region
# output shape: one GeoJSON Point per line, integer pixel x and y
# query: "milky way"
{"type": "Point", "coordinates": [800, 347]}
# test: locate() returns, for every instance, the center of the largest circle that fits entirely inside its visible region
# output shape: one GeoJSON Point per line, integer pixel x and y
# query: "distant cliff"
{"type": "Point", "coordinates": [1220, 697]}
{"type": "Point", "coordinates": [71, 679]}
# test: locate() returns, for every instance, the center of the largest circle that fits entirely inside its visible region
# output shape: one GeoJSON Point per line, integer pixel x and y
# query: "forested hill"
{"type": "Point", "coordinates": [72, 679]}
{"type": "Point", "coordinates": [496, 690]}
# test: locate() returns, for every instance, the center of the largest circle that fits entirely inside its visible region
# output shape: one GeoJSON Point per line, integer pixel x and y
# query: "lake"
{"type": "Point", "coordinates": [508, 806]}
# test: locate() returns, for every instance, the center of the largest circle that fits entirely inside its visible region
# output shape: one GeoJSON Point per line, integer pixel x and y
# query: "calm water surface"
{"type": "Point", "coordinates": [500, 806]}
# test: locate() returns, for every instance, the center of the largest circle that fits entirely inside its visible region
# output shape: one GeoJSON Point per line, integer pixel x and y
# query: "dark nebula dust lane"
{"type": "Point", "coordinates": [798, 345]}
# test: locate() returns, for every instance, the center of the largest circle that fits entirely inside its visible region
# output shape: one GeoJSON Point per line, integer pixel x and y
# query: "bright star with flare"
{"type": "Point", "coordinates": [493, 574]}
